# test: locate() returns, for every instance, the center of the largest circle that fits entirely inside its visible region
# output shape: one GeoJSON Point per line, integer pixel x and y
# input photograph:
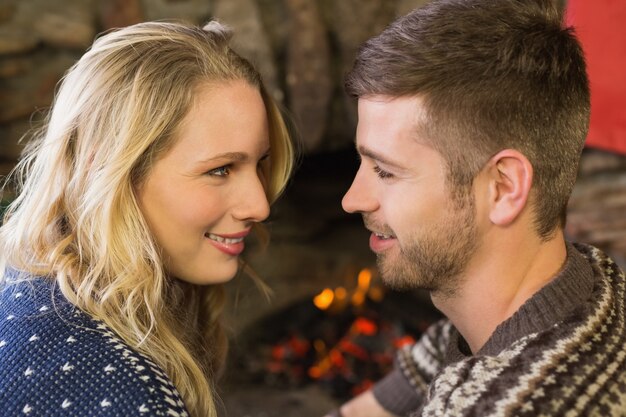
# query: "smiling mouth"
{"type": "Point", "coordinates": [384, 236]}
{"type": "Point", "coordinates": [220, 239]}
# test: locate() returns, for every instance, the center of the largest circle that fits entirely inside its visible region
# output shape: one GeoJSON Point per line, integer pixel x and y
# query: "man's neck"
{"type": "Point", "coordinates": [495, 287]}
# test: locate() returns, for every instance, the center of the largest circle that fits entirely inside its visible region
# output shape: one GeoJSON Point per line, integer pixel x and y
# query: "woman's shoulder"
{"type": "Point", "coordinates": [53, 356]}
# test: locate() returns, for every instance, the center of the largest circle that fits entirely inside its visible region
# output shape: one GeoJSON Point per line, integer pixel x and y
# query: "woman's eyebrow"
{"type": "Point", "coordinates": [231, 156]}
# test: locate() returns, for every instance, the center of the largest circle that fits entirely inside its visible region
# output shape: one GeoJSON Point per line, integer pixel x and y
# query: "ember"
{"type": "Point", "coordinates": [344, 339]}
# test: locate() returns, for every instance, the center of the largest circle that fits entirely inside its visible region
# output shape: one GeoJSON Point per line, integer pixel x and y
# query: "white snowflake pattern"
{"type": "Point", "coordinates": [156, 381]}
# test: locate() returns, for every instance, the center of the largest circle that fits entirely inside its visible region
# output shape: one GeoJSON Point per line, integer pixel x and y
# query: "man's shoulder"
{"type": "Point", "coordinates": [54, 356]}
{"type": "Point", "coordinates": [599, 259]}
{"type": "Point", "coordinates": [575, 366]}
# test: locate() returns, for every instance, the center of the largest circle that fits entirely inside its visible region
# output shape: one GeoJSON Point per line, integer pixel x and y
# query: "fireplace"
{"type": "Point", "coordinates": [331, 327]}
{"type": "Point", "coordinates": [342, 339]}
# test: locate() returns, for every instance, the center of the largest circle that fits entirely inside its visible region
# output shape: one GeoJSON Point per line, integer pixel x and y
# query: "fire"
{"type": "Point", "coordinates": [338, 297]}
{"type": "Point", "coordinates": [340, 294]}
{"type": "Point", "coordinates": [363, 285]}
{"type": "Point", "coordinates": [357, 349]}
{"type": "Point", "coordinates": [324, 299]}
{"type": "Point", "coordinates": [376, 294]}
{"type": "Point", "coordinates": [364, 279]}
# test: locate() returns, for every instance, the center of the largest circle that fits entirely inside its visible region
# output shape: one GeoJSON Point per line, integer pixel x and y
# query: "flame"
{"type": "Point", "coordinates": [358, 298]}
{"type": "Point", "coordinates": [403, 341]}
{"type": "Point", "coordinates": [376, 294]}
{"type": "Point", "coordinates": [364, 279]}
{"type": "Point", "coordinates": [340, 293]}
{"type": "Point", "coordinates": [364, 326]}
{"type": "Point", "coordinates": [324, 299]}
{"type": "Point", "coordinates": [336, 298]}
{"type": "Point", "coordinates": [319, 345]}
{"type": "Point", "coordinates": [315, 372]}
{"type": "Point", "coordinates": [363, 283]}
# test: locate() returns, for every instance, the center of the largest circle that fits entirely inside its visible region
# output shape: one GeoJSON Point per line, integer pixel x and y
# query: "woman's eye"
{"type": "Point", "coordinates": [382, 173]}
{"type": "Point", "coordinates": [222, 171]}
{"type": "Point", "coordinates": [263, 162]}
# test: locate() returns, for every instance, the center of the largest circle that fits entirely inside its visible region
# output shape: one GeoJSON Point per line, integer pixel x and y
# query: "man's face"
{"type": "Point", "coordinates": [423, 237]}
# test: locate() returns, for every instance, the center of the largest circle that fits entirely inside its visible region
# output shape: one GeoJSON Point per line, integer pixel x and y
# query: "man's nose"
{"type": "Point", "coordinates": [360, 197]}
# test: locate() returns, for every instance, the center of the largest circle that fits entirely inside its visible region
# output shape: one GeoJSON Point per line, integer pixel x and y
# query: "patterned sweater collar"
{"type": "Point", "coordinates": [569, 289]}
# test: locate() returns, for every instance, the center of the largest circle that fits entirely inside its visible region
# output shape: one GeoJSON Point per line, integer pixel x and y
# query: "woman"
{"type": "Point", "coordinates": [160, 154]}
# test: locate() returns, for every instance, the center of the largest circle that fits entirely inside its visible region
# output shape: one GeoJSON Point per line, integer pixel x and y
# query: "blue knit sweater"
{"type": "Point", "coordinates": [56, 360]}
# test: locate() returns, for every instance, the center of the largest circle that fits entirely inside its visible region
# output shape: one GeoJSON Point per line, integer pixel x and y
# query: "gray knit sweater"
{"type": "Point", "coordinates": [563, 353]}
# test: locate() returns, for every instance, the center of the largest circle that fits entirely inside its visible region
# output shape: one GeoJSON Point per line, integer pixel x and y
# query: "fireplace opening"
{"type": "Point", "coordinates": [341, 339]}
{"type": "Point", "coordinates": [331, 328]}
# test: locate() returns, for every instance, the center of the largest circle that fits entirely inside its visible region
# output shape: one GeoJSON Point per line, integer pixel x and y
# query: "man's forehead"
{"type": "Point", "coordinates": [385, 117]}
{"type": "Point", "coordinates": [382, 101]}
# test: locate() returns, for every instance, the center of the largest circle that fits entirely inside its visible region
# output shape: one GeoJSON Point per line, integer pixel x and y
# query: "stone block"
{"type": "Point", "coordinates": [405, 6]}
{"type": "Point", "coordinates": [120, 13]}
{"type": "Point", "coordinates": [24, 94]}
{"type": "Point", "coordinates": [193, 11]}
{"type": "Point", "coordinates": [250, 38]}
{"type": "Point", "coordinates": [16, 40]}
{"type": "Point", "coordinates": [7, 10]}
{"type": "Point", "coordinates": [10, 135]}
{"type": "Point", "coordinates": [309, 81]}
{"type": "Point", "coordinates": [66, 30]}
{"type": "Point", "coordinates": [13, 66]}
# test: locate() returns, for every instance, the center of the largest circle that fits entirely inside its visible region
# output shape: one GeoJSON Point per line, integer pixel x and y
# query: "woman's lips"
{"type": "Point", "coordinates": [231, 244]}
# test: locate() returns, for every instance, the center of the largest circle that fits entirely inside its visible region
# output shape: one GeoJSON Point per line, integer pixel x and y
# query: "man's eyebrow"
{"type": "Point", "coordinates": [363, 151]}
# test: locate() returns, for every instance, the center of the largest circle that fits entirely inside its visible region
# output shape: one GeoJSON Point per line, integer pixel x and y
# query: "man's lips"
{"type": "Point", "coordinates": [380, 242]}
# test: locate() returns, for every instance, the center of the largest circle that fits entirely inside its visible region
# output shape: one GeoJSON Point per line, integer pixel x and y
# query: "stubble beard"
{"type": "Point", "coordinates": [435, 260]}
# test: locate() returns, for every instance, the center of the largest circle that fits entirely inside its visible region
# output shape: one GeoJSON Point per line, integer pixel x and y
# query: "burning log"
{"type": "Point", "coordinates": [346, 344]}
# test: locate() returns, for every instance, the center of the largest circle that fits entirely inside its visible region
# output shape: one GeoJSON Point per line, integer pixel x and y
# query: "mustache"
{"type": "Point", "coordinates": [374, 225]}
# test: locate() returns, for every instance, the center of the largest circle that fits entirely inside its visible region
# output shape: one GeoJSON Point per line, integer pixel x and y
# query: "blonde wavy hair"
{"type": "Point", "coordinates": [76, 216]}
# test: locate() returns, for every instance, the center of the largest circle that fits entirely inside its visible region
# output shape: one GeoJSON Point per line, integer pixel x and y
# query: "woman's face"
{"type": "Point", "coordinates": [202, 197]}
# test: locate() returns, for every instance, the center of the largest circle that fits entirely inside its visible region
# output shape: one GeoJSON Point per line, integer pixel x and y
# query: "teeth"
{"type": "Point", "coordinates": [381, 236]}
{"type": "Point", "coordinates": [223, 239]}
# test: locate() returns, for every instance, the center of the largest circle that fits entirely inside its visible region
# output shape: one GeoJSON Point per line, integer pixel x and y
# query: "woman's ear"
{"type": "Point", "coordinates": [510, 177]}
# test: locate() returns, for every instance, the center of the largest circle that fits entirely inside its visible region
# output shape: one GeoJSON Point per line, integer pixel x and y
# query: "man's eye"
{"type": "Point", "coordinates": [382, 173]}
{"type": "Point", "coordinates": [222, 171]}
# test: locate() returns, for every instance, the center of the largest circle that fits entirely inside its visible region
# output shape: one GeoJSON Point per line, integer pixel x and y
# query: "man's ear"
{"type": "Point", "coordinates": [510, 177]}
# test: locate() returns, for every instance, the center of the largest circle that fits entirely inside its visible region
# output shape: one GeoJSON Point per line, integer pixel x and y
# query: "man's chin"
{"type": "Point", "coordinates": [397, 276]}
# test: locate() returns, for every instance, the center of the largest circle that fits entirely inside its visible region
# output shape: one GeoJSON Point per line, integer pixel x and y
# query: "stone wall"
{"type": "Point", "coordinates": [301, 47]}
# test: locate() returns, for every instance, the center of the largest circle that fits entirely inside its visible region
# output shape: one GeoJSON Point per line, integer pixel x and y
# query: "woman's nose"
{"type": "Point", "coordinates": [253, 204]}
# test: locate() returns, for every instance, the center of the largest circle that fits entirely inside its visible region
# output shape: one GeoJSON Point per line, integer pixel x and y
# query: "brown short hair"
{"type": "Point", "coordinates": [494, 74]}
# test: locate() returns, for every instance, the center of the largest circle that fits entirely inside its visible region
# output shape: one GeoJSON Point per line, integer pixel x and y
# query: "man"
{"type": "Point", "coordinates": [472, 118]}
